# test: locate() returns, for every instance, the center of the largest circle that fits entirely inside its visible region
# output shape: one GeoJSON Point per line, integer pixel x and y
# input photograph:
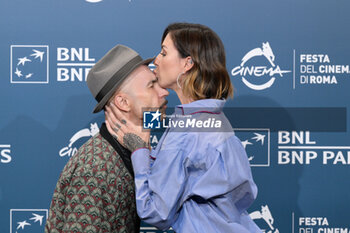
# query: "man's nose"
{"type": "Point", "coordinates": [163, 92]}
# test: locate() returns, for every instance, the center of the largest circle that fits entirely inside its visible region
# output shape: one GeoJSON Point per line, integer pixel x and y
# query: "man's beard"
{"type": "Point", "coordinates": [162, 109]}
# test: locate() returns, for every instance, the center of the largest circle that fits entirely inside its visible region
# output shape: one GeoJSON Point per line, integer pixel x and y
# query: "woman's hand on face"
{"type": "Point", "coordinates": [126, 132]}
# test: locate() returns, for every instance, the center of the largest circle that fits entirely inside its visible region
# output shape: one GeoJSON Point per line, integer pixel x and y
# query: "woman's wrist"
{"type": "Point", "coordinates": [133, 142]}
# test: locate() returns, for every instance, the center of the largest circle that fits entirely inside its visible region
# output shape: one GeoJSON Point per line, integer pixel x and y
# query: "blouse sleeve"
{"type": "Point", "coordinates": [160, 189]}
{"type": "Point", "coordinates": [190, 168]}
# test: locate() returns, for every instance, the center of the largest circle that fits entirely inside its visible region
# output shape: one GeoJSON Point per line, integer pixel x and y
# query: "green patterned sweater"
{"type": "Point", "coordinates": [95, 193]}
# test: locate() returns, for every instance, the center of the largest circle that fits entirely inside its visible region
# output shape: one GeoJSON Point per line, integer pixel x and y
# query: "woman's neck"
{"type": "Point", "coordinates": [183, 99]}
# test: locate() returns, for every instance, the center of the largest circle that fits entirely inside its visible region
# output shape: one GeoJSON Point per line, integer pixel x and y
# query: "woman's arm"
{"type": "Point", "coordinates": [160, 190]}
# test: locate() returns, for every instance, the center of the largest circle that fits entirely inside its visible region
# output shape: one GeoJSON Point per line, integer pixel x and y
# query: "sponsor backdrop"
{"type": "Point", "coordinates": [288, 60]}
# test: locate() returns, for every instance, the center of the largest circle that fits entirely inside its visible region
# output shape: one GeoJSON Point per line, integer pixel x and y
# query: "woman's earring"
{"type": "Point", "coordinates": [177, 80]}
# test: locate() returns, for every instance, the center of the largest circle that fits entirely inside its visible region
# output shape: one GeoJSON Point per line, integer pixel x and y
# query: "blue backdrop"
{"type": "Point", "coordinates": [288, 61]}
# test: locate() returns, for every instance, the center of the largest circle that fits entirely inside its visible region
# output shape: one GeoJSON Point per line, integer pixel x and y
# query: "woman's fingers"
{"type": "Point", "coordinates": [116, 116]}
{"type": "Point", "coordinates": [114, 125]}
{"type": "Point", "coordinates": [112, 117]}
{"type": "Point", "coordinates": [120, 139]}
{"type": "Point", "coordinates": [117, 113]}
{"type": "Point", "coordinates": [124, 129]}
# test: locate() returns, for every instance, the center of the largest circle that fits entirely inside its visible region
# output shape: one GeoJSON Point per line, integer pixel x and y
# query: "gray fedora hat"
{"type": "Point", "coordinates": [110, 72]}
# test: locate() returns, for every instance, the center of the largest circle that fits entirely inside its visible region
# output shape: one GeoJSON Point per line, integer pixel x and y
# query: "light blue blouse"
{"type": "Point", "coordinates": [200, 181]}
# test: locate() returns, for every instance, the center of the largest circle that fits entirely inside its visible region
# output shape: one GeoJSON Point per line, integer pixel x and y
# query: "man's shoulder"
{"type": "Point", "coordinates": [98, 154]}
{"type": "Point", "coordinates": [96, 146]}
{"type": "Point", "coordinates": [94, 141]}
{"type": "Point", "coordinates": [95, 160]}
{"type": "Point", "coordinates": [91, 152]}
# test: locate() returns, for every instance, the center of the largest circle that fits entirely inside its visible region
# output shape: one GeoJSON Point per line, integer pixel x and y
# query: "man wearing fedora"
{"type": "Point", "coordinates": [95, 191]}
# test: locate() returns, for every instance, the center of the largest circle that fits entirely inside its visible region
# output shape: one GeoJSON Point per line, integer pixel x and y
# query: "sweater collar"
{"type": "Point", "coordinates": [124, 153]}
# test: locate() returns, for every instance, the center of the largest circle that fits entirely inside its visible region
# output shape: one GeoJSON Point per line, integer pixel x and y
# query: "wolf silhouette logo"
{"type": "Point", "coordinates": [69, 150]}
{"type": "Point", "coordinates": [265, 214]}
{"type": "Point", "coordinates": [265, 51]}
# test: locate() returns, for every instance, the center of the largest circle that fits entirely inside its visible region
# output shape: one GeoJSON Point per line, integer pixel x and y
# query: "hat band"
{"type": "Point", "coordinates": [114, 80]}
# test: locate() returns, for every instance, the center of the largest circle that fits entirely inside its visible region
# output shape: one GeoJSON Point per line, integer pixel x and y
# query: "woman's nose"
{"type": "Point", "coordinates": [156, 60]}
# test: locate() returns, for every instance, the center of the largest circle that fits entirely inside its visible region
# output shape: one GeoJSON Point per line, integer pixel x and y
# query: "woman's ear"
{"type": "Point", "coordinates": [189, 64]}
{"type": "Point", "coordinates": [122, 102]}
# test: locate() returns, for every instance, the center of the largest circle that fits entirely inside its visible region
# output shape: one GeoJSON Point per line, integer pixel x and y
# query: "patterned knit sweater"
{"type": "Point", "coordinates": [95, 193]}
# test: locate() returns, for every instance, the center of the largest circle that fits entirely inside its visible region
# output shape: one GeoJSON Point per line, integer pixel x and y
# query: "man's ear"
{"type": "Point", "coordinates": [122, 101]}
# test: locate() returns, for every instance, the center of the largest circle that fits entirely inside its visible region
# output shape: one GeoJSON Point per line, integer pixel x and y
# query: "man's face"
{"type": "Point", "coordinates": [145, 92]}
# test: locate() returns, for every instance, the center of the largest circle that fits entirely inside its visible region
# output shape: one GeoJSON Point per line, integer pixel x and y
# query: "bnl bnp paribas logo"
{"type": "Point", "coordinates": [27, 220]}
{"type": "Point", "coordinates": [258, 74]}
{"type": "Point", "coordinates": [73, 64]}
{"type": "Point", "coordinates": [256, 143]}
{"type": "Point", "coordinates": [29, 64]}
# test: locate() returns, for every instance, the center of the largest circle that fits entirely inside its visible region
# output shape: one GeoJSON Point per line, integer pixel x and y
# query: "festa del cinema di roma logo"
{"type": "Point", "coordinates": [251, 72]}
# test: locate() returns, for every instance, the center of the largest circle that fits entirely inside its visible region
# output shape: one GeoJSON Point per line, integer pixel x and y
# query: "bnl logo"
{"type": "Point", "coordinates": [256, 143]}
{"type": "Point", "coordinates": [27, 220]}
{"type": "Point", "coordinates": [151, 119]}
{"type": "Point", "coordinates": [29, 64]}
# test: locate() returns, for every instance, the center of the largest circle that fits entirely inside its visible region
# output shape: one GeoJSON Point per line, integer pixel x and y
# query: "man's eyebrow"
{"type": "Point", "coordinates": [152, 81]}
{"type": "Point", "coordinates": [163, 46]}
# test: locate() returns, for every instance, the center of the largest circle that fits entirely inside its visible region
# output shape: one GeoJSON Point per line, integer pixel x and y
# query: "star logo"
{"type": "Point", "coordinates": [22, 224]}
{"type": "Point", "coordinates": [151, 119]}
{"type": "Point", "coordinates": [29, 64]}
{"type": "Point", "coordinates": [38, 54]}
{"type": "Point", "coordinates": [259, 137]}
{"type": "Point", "coordinates": [245, 143]}
{"type": "Point", "coordinates": [29, 75]}
{"type": "Point", "coordinates": [38, 218]}
{"type": "Point", "coordinates": [23, 60]}
{"type": "Point", "coordinates": [18, 72]}
{"type": "Point", "coordinates": [27, 220]}
{"type": "Point", "coordinates": [256, 143]}
{"type": "Point", "coordinates": [156, 115]}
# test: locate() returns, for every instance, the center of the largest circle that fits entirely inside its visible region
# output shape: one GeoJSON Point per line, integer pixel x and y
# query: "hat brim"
{"type": "Point", "coordinates": [100, 105]}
